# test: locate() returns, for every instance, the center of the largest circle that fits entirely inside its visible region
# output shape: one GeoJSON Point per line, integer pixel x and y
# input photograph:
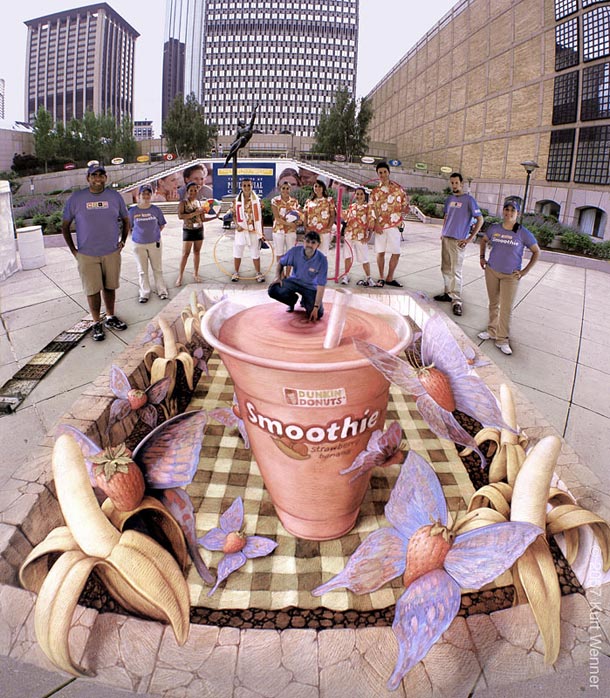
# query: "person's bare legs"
{"type": "Point", "coordinates": [392, 266]}
{"type": "Point", "coordinates": [348, 265]}
{"type": "Point", "coordinates": [95, 305]}
{"type": "Point", "coordinates": [236, 264]}
{"type": "Point", "coordinates": [186, 251]}
{"type": "Point", "coordinates": [197, 245]}
{"type": "Point", "coordinates": [381, 264]}
{"type": "Point", "coordinates": [257, 265]}
{"type": "Point", "coordinates": [366, 268]}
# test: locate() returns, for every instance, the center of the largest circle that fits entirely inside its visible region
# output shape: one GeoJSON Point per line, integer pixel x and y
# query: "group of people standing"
{"type": "Point", "coordinates": [103, 224]}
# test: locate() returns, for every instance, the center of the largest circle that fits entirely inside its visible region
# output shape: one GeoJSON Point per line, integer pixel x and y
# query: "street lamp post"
{"type": "Point", "coordinates": [287, 132]}
{"type": "Point", "coordinates": [529, 166]}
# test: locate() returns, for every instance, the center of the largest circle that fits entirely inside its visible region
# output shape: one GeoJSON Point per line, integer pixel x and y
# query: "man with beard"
{"type": "Point", "coordinates": [307, 279]}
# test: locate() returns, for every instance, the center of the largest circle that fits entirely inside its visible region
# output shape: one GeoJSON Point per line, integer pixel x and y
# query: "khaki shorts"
{"type": "Point", "coordinates": [97, 273]}
{"type": "Point", "coordinates": [388, 241]}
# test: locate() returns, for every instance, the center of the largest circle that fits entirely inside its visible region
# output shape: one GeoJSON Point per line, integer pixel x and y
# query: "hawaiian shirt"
{"type": "Point", "coordinates": [319, 214]}
{"type": "Point", "coordinates": [279, 226]}
{"type": "Point", "coordinates": [357, 219]}
{"type": "Point", "coordinates": [388, 204]}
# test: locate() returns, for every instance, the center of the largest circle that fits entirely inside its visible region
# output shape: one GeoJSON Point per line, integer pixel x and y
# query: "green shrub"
{"type": "Point", "coordinates": [544, 236]}
{"type": "Point", "coordinates": [601, 250]}
{"type": "Point", "coordinates": [577, 242]}
{"type": "Point", "coordinates": [54, 222]}
{"type": "Point", "coordinates": [19, 223]}
{"type": "Point", "coordinates": [41, 220]}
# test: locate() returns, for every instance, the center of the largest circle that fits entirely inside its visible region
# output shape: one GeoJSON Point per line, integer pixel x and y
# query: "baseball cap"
{"type": "Point", "coordinates": [145, 187]}
{"type": "Point", "coordinates": [96, 168]}
{"type": "Point", "coordinates": [514, 203]}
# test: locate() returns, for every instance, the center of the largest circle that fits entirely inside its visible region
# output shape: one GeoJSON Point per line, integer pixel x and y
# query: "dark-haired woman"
{"type": "Point", "coordinates": [319, 214]}
{"type": "Point", "coordinates": [507, 241]}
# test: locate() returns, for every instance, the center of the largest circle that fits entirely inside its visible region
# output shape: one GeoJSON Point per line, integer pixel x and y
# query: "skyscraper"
{"type": "Point", "coordinates": [289, 57]}
{"type": "Point", "coordinates": [182, 54]}
{"type": "Point", "coordinates": [80, 60]}
{"type": "Point", "coordinates": [1, 98]}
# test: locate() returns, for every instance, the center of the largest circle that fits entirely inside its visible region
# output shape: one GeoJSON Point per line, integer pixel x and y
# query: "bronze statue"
{"type": "Point", "coordinates": [242, 137]}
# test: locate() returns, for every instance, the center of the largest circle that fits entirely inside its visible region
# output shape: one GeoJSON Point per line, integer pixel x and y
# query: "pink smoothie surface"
{"type": "Point", "coordinates": [268, 331]}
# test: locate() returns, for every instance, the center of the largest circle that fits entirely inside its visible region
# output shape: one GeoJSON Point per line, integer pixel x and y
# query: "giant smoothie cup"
{"type": "Point", "coordinates": [308, 411]}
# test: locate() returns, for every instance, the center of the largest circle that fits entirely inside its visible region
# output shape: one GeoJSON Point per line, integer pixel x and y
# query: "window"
{"type": "Point", "coordinates": [596, 33]}
{"type": "Point", "coordinates": [560, 155]}
{"type": "Point", "coordinates": [595, 92]}
{"type": "Point", "coordinates": [566, 44]}
{"type": "Point", "coordinates": [593, 156]}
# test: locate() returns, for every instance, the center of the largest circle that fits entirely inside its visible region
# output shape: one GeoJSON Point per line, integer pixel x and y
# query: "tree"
{"type": "Point", "coordinates": [44, 137]}
{"type": "Point", "coordinates": [185, 129]}
{"type": "Point", "coordinates": [343, 129]}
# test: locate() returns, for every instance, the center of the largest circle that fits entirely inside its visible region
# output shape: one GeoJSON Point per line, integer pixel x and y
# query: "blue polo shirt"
{"type": "Point", "coordinates": [310, 272]}
{"type": "Point", "coordinates": [459, 212]}
{"type": "Point", "coordinates": [97, 218]}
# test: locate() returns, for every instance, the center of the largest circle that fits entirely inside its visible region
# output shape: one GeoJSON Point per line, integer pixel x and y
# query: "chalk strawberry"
{"type": "Point", "coordinates": [119, 477]}
{"type": "Point", "coordinates": [438, 386]}
{"type": "Point", "coordinates": [234, 542]}
{"type": "Point", "coordinates": [137, 398]}
{"type": "Point", "coordinates": [427, 550]}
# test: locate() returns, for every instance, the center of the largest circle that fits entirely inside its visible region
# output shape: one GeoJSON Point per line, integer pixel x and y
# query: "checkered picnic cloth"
{"type": "Point", "coordinates": [286, 577]}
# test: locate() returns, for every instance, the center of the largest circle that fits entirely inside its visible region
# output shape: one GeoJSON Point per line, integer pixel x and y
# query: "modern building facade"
{"type": "Point", "coordinates": [500, 82]}
{"type": "Point", "coordinates": [2, 85]}
{"type": "Point", "coordinates": [80, 60]}
{"type": "Point", "coordinates": [143, 130]}
{"type": "Point", "coordinates": [182, 51]}
{"type": "Point", "coordinates": [288, 57]}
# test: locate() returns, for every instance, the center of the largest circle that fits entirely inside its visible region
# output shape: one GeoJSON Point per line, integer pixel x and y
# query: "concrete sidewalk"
{"type": "Point", "coordinates": [560, 335]}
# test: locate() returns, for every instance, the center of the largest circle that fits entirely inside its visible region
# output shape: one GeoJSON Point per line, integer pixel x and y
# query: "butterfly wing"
{"type": "Point", "coordinates": [394, 369]}
{"type": "Point", "coordinates": [169, 455]}
{"type": "Point", "coordinates": [119, 383]}
{"type": "Point", "coordinates": [157, 392]}
{"type": "Point", "coordinates": [180, 507]}
{"type": "Point", "coordinates": [423, 613]}
{"type": "Point", "coordinates": [439, 347]}
{"type": "Point", "coordinates": [119, 410]}
{"type": "Point", "coordinates": [378, 559]}
{"type": "Point", "coordinates": [227, 566]}
{"type": "Point", "coordinates": [478, 557]}
{"type": "Point", "coordinates": [417, 497]}
{"type": "Point", "coordinates": [148, 414]}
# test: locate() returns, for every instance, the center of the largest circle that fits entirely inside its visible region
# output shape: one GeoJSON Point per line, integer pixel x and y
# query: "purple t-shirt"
{"type": "Point", "coordinates": [146, 224]}
{"type": "Point", "coordinates": [310, 272]}
{"type": "Point", "coordinates": [507, 247]}
{"type": "Point", "coordinates": [459, 212]}
{"type": "Point", "coordinates": [97, 219]}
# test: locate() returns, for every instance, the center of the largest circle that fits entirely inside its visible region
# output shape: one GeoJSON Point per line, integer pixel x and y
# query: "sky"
{"type": "Point", "coordinates": [388, 29]}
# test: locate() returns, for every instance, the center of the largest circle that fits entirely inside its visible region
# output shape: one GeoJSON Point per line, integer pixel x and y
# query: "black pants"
{"type": "Point", "coordinates": [288, 293]}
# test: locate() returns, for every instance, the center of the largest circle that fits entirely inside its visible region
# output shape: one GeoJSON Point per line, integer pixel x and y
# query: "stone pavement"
{"type": "Point", "coordinates": [560, 335]}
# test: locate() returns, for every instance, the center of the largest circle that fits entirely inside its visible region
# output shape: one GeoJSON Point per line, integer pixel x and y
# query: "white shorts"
{"type": "Point", "coordinates": [388, 241]}
{"type": "Point", "coordinates": [282, 242]}
{"type": "Point", "coordinates": [324, 243]}
{"type": "Point", "coordinates": [243, 240]}
{"type": "Point", "coordinates": [360, 251]}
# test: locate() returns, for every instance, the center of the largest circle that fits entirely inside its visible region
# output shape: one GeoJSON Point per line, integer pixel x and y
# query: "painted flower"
{"type": "Point", "coordinates": [383, 449]}
{"type": "Point", "coordinates": [395, 217]}
{"type": "Point", "coordinates": [129, 399]}
{"type": "Point", "coordinates": [200, 362]}
{"type": "Point", "coordinates": [153, 335]}
{"type": "Point", "coordinates": [231, 417]}
{"type": "Point", "coordinates": [238, 547]}
{"type": "Point", "coordinates": [434, 563]}
{"type": "Point", "coordinates": [441, 383]}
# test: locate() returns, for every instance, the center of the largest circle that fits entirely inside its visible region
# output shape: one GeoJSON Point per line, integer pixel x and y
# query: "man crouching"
{"type": "Point", "coordinates": [307, 279]}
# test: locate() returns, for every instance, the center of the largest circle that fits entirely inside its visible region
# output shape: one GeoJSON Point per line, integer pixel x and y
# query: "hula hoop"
{"type": "Point", "coordinates": [218, 263]}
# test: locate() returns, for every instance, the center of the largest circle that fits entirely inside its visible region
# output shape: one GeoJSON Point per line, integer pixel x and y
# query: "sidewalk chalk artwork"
{"type": "Point", "coordinates": [17, 388]}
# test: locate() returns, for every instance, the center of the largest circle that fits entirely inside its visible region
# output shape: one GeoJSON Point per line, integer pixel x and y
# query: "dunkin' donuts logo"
{"type": "Point", "coordinates": [332, 397]}
{"type": "Point", "coordinates": [338, 430]}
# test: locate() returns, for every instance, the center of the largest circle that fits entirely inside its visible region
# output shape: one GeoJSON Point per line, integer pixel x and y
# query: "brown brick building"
{"type": "Point", "coordinates": [499, 82]}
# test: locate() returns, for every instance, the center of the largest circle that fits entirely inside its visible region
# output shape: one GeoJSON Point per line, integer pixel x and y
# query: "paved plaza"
{"type": "Point", "coordinates": [560, 335]}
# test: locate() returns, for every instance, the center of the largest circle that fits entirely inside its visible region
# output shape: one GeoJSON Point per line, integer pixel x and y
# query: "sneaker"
{"type": "Point", "coordinates": [260, 279]}
{"type": "Point", "coordinates": [345, 280]}
{"type": "Point", "coordinates": [98, 332]}
{"type": "Point", "coordinates": [443, 298]}
{"type": "Point", "coordinates": [113, 322]}
{"type": "Point", "coordinates": [457, 308]}
{"type": "Point", "coordinates": [163, 296]}
{"type": "Point", "coordinates": [504, 347]}
{"type": "Point", "coordinates": [235, 277]}
{"type": "Point", "coordinates": [372, 283]}
{"type": "Point", "coordinates": [394, 283]}
{"type": "Point", "coordinates": [143, 299]}
{"type": "Point", "coordinates": [485, 335]}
